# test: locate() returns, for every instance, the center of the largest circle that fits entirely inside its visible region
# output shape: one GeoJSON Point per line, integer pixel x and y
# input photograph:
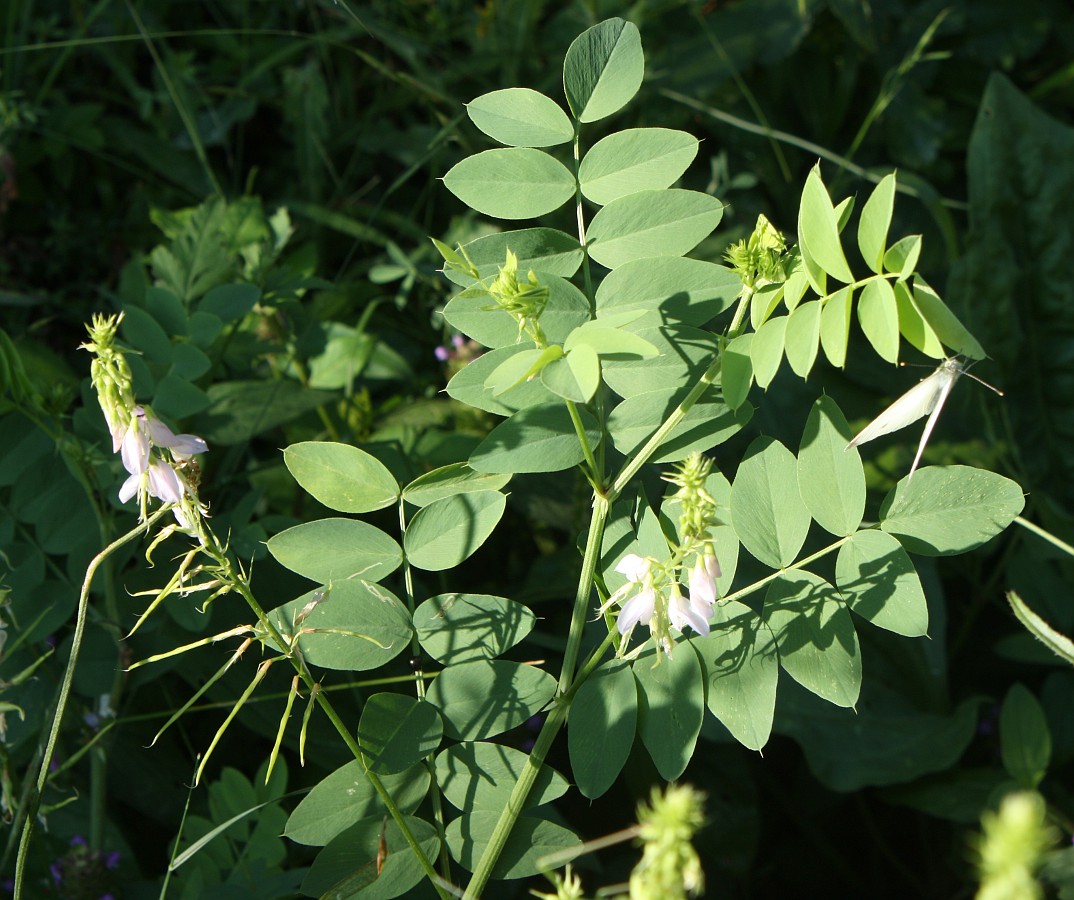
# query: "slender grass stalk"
{"type": "Point", "coordinates": [34, 804]}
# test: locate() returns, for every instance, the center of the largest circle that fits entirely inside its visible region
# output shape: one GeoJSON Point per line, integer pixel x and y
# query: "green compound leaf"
{"type": "Point", "coordinates": [328, 550]}
{"type": "Point", "coordinates": [767, 511]}
{"type": "Point", "coordinates": [475, 314]}
{"type": "Point", "coordinates": [610, 342]}
{"type": "Point", "coordinates": [603, 69]}
{"type": "Point", "coordinates": [766, 350]}
{"type": "Point", "coordinates": [487, 697]}
{"type": "Point", "coordinates": [637, 159]}
{"type": "Point", "coordinates": [520, 368]}
{"type": "Point", "coordinates": [397, 732]}
{"type": "Point", "coordinates": [736, 371]}
{"type": "Point", "coordinates": [818, 230]}
{"type": "Point", "coordinates": [950, 509]}
{"type": "Point", "coordinates": [584, 363]}
{"type": "Point", "coordinates": [913, 325]}
{"type": "Point", "coordinates": [600, 728]}
{"type": "Point", "coordinates": [741, 668]}
{"type": "Point", "coordinates": [458, 628]}
{"type": "Point", "coordinates": [481, 775]}
{"type": "Point", "coordinates": [830, 475]}
{"type": "Point", "coordinates": [545, 250]}
{"type": "Point", "coordinates": [878, 313]}
{"type": "Point", "coordinates": [1025, 742]}
{"type": "Point", "coordinates": [520, 117]}
{"type": "Point", "coordinates": [516, 183]}
{"type": "Point", "coordinates": [879, 583]}
{"type": "Point", "coordinates": [652, 223]}
{"type": "Point", "coordinates": [348, 866]}
{"type": "Point", "coordinates": [355, 625]}
{"type": "Point", "coordinates": [708, 423]}
{"type": "Point", "coordinates": [468, 385]}
{"type": "Point", "coordinates": [835, 326]}
{"type": "Point", "coordinates": [536, 439]}
{"type": "Point", "coordinates": [529, 841]}
{"type": "Point", "coordinates": [944, 322]}
{"type": "Point", "coordinates": [901, 257]}
{"type": "Point", "coordinates": [668, 289]}
{"type": "Point", "coordinates": [449, 480]}
{"type": "Point", "coordinates": [802, 340]}
{"type": "Point", "coordinates": [818, 646]}
{"type": "Point", "coordinates": [576, 381]}
{"type": "Point", "coordinates": [671, 705]}
{"type": "Point", "coordinates": [447, 531]}
{"type": "Point", "coordinates": [346, 796]}
{"type": "Point", "coordinates": [685, 354]}
{"type": "Point", "coordinates": [874, 223]}
{"type": "Point", "coordinates": [341, 477]}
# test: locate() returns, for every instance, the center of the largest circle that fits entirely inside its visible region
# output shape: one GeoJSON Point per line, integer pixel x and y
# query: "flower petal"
{"type": "Point", "coordinates": [683, 612]}
{"type": "Point", "coordinates": [702, 581]}
{"type": "Point", "coordinates": [164, 483]}
{"type": "Point", "coordinates": [634, 567]}
{"type": "Point", "coordinates": [638, 608]}
{"type": "Point", "coordinates": [134, 450]}
{"type": "Point", "coordinates": [129, 488]}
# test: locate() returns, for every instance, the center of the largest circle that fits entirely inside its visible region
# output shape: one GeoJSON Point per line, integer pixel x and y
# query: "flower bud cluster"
{"type": "Point", "coordinates": [760, 259]}
{"type": "Point", "coordinates": [523, 300]}
{"type": "Point", "coordinates": [153, 455]}
{"type": "Point", "coordinates": [669, 866]}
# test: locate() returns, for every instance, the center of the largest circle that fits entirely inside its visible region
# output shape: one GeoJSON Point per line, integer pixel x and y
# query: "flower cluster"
{"type": "Point", "coordinates": [651, 595]}
{"type": "Point", "coordinates": [761, 259]}
{"type": "Point", "coordinates": [153, 455]}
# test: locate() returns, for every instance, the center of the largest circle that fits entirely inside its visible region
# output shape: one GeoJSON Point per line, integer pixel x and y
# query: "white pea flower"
{"type": "Point", "coordinates": [703, 578]}
{"type": "Point", "coordinates": [693, 612]}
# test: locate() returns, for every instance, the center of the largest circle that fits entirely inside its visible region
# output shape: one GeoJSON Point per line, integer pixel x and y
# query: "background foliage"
{"type": "Point", "coordinates": [162, 142]}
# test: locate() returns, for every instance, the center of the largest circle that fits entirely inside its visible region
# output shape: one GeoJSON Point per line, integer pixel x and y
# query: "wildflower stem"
{"type": "Point", "coordinates": [34, 803]}
{"type": "Point", "coordinates": [534, 762]}
{"type": "Point", "coordinates": [597, 521]}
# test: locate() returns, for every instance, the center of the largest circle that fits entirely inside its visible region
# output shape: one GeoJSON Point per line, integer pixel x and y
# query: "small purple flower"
{"type": "Point", "coordinates": [442, 354]}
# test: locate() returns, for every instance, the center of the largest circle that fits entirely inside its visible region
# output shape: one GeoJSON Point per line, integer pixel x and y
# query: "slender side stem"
{"type": "Point", "coordinates": [813, 557]}
{"type": "Point", "coordinates": [579, 428]}
{"type": "Point", "coordinates": [65, 689]}
{"type": "Point", "coordinates": [1046, 535]}
{"type": "Point", "coordinates": [213, 546]}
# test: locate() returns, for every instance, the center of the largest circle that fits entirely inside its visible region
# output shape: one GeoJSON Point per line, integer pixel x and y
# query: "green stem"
{"type": "Point", "coordinates": [757, 585]}
{"type": "Point", "coordinates": [65, 689]}
{"type": "Point", "coordinates": [1046, 535]}
{"type": "Point", "coordinates": [597, 521]}
{"type": "Point", "coordinates": [579, 428]}
{"type": "Point", "coordinates": [534, 762]}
